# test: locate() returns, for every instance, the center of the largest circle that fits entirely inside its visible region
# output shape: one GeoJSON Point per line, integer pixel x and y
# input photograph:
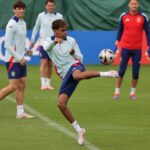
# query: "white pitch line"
{"type": "Point", "coordinates": [55, 124]}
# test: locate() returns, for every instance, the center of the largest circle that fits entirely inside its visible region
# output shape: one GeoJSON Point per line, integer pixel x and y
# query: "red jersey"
{"type": "Point", "coordinates": [131, 29]}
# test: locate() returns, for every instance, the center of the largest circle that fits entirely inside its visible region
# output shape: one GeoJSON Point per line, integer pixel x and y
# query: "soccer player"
{"type": "Point", "coordinates": [65, 54]}
{"type": "Point", "coordinates": [14, 58]}
{"type": "Point", "coordinates": [43, 24]}
{"type": "Point", "coordinates": [130, 33]}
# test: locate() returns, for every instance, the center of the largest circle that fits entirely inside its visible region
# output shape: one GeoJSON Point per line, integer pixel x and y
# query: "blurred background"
{"type": "Point", "coordinates": [93, 23]}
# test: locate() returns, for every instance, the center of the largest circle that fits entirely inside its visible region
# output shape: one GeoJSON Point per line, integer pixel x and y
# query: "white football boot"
{"type": "Point", "coordinates": [81, 137]}
{"type": "Point", "coordinates": [113, 74]}
{"type": "Point", "coordinates": [25, 116]}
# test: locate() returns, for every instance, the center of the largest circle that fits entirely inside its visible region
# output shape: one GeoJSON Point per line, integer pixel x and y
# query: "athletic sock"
{"type": "Point", "coordinates": [76, 126]}
{"type": "Point", "coordinates": [47, 81]}
{"type": "Point", "coordinates": [103, 74]}
{"type": "Point", "coordinates": [132, 90]}
{"type": "Point", "coordinates": [43, 81]}
{"type": "Point", "coordinates": [20, 109]}
{"type": "Point", "coordinates": [117, 90]}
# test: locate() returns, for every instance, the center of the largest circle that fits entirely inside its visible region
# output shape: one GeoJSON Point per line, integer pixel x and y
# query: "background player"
{"type": "Point", "coordinates": [14, 57]}
{"type": "Point", "coordinates": [43, 25]}
{"type": "Point", "coordinates": [130, 34]}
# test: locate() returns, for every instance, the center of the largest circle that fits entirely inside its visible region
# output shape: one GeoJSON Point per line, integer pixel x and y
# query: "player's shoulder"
{"type": "Point", "coordinates": [144, 15]}
{"type": "Point", "coordinates": [71, 39]}
{"type": "Point", "coordinates": [58, 14]}
{"type": "Point", "coordinates": [12, 22]}
{"type": "Point", "coordinates": [42, 14]}
{"type": "Point", "coordinates": [122, 15]}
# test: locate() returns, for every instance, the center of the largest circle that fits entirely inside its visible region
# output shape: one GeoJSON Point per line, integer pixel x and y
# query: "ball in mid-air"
{"type": "Point", "coordinates": [106, 56]}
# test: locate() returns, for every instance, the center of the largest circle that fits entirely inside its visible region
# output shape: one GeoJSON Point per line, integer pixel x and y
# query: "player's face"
{"type": "Point", "coordinates": [50, 7]}
{"type": "Point", "coordinates": [133, 5]}
{"type": "Point", "coordinates": [19, 12]}
{"type": "Point", "coordinates": [61, 32]}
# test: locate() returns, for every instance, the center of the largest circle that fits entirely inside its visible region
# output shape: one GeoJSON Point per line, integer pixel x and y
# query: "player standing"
{"type": "Point", "coordinates": [130, 33]}
{"type": "Point", "coordinates": [14, 58]}
{"type": "Point", "coordinates": [43, 26]}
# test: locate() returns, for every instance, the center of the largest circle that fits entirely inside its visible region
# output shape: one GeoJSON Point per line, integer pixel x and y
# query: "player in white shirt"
{"type": "Point", "coordinates": [14, 58]}
{"type": "Point", "coordinates": [67, 59]}
{"type": "Point", "coordinates": [43, 26]}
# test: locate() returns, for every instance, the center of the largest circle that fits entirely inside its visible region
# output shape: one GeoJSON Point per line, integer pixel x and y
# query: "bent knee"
{"type": "Point", "coordinates": [77, 77]}
{"type": "Point", "coordinates": [121, 73]}
{"type": "Point", "coordinates": [135, 76]}
{"type": "Point", "coordinates": [61, 105]}
{"type": "Point", "coordinates": [21, 86]}
{"type": "Point", "coordinates": [44, 62]}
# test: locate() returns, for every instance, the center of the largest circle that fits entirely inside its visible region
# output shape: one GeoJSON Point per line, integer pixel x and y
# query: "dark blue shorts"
{"type": "Point", "coordinates": [43, 53]}
{"type": "Point", "coordinates": [15, 70]}
{"type": "Point", "coordinates": [135, 55]}
{"type": "Point", "coordinates": [68, 84]}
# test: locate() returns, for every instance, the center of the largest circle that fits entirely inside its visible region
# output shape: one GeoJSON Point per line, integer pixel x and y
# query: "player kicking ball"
{"type": "Point", "coordinates": [65, 54]}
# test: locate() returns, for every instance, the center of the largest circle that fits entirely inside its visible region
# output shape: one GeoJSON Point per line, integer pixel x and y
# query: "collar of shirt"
{"type": "Point", "coordinates": [53, 38]}
{"type": "Point", "coordinates": [16, 18]}
{"type": "Point", "coordinates": [50, 13]}
{"type": "Point", "coordinates": [137, 13]}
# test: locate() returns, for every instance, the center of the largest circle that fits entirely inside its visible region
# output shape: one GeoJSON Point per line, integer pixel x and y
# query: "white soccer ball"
{"type": "Point", "coordinates": [106, 56]}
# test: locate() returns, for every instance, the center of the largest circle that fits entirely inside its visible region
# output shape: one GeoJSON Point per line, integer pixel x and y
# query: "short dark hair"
{"type": "Point", "coordinates": [19, 4]}
{"type": "Point", "coordinates": [58, 24]}
{"type": "Point", "coordinates": [130, 0]}
{"type": "Point", "coordinates": [51, 1]}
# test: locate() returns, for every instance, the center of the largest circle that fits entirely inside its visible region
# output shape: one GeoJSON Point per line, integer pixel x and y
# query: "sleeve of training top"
{"type": "Point", "coordinates": [10, 31]}
{"type": "Point", "coordinates": [48, 45]}
{"type": "Point", "coordinates": [77, 55]}
{"type": "Point", "coordinates": [120, 30]}
{"type": "Point", "coordinates": [35, 29]}
{"type": "Point", "coordinates": [147, 29]}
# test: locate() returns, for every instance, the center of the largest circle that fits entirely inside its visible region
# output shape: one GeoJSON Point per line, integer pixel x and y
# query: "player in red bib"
{"type": "Point", "coordinates": [130, 34]}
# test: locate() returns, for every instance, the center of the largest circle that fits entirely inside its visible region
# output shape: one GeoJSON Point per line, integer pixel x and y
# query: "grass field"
{"type": "Point", "coordinates": [109, 124]}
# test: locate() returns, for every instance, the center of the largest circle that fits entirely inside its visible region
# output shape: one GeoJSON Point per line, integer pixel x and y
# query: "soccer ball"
{"type": "Point", "coordinates": [106, 56]}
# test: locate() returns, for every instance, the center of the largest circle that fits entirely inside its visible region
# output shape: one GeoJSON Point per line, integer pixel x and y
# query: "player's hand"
{"type": "Point", "coordinates": [148, 53]}
{"type": "Point", "coordinates": [116, 48]}
{"type": "Point", "coordinates": [32, 44]}
{"type": "Point", "coordinates": [72, 52]}
{"type": "Point", "coordinates": [30, 52]}
{"type": "Point", "coordinates": [116, 51]}
{"type": "Point", "coordinates": [22, 61]}
{"type": "Point", "coordinates": [58, 40]}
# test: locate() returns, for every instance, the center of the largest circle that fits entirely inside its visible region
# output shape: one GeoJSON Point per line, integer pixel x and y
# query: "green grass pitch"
{"type": "Point", "coordinates": [110, 124]}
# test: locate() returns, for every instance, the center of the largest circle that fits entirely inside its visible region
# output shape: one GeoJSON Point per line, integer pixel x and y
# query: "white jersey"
{"type": "Point", "coordinates": [43, 25]}
{"type": "Point", "coordinates": [15, 37]}
{"type": "Point", "coordinates": [60, 56]}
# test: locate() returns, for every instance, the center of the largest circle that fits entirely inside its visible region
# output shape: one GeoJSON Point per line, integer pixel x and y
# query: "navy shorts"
{"type": "Point", "coordinates": [135, 55]}
{"type": "Point", "coordinates": [15, 70]}
{"type": "Point", "coordinates": [68, 84]}
{"type": "Point", "coordinates": [43, 53]}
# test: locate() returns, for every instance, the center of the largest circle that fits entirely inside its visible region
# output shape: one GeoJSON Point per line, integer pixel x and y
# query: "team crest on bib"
{"type": "Point", "coordinates": [127, 20]}
{"type": "Point", "coordinates": [138, 19]}
{"type": "Point", "coordinates": [13, 73]}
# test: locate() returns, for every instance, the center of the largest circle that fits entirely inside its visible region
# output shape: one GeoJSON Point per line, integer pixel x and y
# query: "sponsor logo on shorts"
{"type": "Point", "coordinates": [13, 73]}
